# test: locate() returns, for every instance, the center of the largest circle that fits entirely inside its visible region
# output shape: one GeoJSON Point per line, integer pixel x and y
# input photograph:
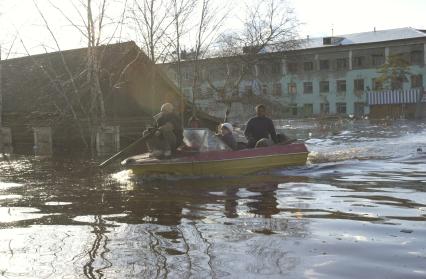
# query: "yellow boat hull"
{"type": "Point", "coordinates": [141, 165]}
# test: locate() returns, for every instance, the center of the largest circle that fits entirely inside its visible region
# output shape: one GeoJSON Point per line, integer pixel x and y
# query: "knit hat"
{"type": "Point", "coordinates": [167, 107]}
{"type": "Point", "coordinates": [227, 126]}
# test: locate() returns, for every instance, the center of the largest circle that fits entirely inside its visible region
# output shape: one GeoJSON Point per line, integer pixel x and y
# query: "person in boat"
{"type": "Point", "coordinates": [226, 135]}
{"type": "Point", "coordinates": [167, 133]}
{"type": "Point", "coordinates": [194, 122]}
{"type": "Point", "coordinates": [260, 129]}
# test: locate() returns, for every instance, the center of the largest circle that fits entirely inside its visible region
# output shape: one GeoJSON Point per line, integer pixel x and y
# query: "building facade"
{"type": "Point", "coordinates": [324, 76]}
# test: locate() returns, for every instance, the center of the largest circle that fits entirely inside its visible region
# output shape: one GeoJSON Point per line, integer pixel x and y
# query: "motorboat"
{"type": "Point", "coordinates": [207, 155]}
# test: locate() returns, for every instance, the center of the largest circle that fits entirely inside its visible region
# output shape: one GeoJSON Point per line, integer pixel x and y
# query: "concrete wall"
{"type": "Point", "coordinates": [6, 140]}
{"type": "Point", "coordinates": [43, 141]}
{"type": "Point", "coordinates": [108, 140]}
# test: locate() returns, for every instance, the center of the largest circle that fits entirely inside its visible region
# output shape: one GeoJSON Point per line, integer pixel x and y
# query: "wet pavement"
{"type": "Point", "coordinates": [357, 210]}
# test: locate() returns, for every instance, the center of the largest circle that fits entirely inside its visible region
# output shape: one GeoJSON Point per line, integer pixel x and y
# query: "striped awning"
{"type": "Point", "coordinates": [390, 97]}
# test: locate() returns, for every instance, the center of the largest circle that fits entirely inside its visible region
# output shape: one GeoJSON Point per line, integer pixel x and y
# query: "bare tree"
{"type": "Point", "coordinates": [269, 26]}
{"type": "Point", "coordinates": [160, 24]}
{"type": "Point", "coordinates": [154, 21]}
{"type": "Point", "coordinates": [91, 26]}
{"type": "Point", "coordinates": [210, 21]}
{"type": "Point", "coordinates": [182, 10]}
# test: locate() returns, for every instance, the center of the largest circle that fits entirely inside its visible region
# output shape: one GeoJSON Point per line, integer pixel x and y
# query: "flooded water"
{"type": "Point", "coordinates": [357, 210]}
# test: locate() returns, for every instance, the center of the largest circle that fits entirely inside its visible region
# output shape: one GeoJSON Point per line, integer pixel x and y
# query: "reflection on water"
{"type": "Point", "coordinates": [357, 209]}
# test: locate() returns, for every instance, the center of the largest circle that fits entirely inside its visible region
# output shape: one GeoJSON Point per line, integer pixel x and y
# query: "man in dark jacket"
{"type": "Point", "coordinates": [168, 135]}
{"type": "Point", "coordinates": [259, 128]}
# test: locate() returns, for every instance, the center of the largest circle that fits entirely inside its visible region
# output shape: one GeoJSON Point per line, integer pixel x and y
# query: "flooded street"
{"type": "Point", "coordinates": [357, 210]}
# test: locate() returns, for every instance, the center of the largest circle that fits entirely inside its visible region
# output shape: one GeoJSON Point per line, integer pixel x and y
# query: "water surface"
{"type": "Point", "coordinates": [357, 210]}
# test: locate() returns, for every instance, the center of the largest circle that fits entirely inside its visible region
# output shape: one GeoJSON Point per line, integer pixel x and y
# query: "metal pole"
{"type": "Point", "coordinates": [1, 93]}
{"type": "Point", "coordinates": [1, 105]}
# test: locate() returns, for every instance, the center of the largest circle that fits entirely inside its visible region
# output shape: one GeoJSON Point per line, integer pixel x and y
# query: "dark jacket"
{"type": "Point", "coordinates": [175, 121]}
{"type": "Point", "coordinates": [229, 140]}
{"type": "Point", "coordinates": [258, 128]}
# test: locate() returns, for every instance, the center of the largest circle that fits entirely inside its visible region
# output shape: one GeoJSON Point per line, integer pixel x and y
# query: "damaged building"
{"type": "Point", "coordinates": [46, 100]}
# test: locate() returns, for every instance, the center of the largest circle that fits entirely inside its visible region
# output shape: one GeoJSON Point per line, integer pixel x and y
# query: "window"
{"type": "Point", "coordinates": [246, 69]}
{"type": "Point", "coordinates": [416, 81]}
{"type": "Point", "coordinates": [263, 70]}
{"type": "Point", "coordinates": [324, 86]}
{"type": "Point", "coordinates": [359, 109]}
{"type": "Point", "coordinates": [416, 57]}
{"type": "Point", "coordinates": [187, 92]}
{"type": "Point", "coordinates": [292, 89]}
{"type": "Point", "coordinates": [277, 89]}
{"type": "Point", "coordinates": [341, 64]}
{"type": "Point", "coordinates": [359, 85]}
{"type": "Point", "coordinates": [293, 110]}
{"type": "Point", "coordinates": [341, 108]}
{"type": "Point", "coordinates": [308, 66]}
{"type": "Point", "coordinates": [198, 91]}
{"type": "Point", "coordinates": [292, 67]}
{"type": "Point", "coordinates": [233, 70]}
{"type": "Point", "coordinates": [377, 84]}
{"type": "Point", "coordinates": [264, 89]}
{"type": "Point", "coordinates": [324, 64]}
{"type": "Point", "coordinates": [341, 86]}
{"type": "Point", "coordinates": [276, 68]}
{"type": "Point", "coordinates": [308, 109]}
{"type": "Point", "coordinates": [220, 92]}
{"type": "Point", "coordinates": [378, 59]}
{"type": "Point", "coordinates": [307, 87]}
{"type": "Point", "coordinates": [209, 74]}
{"type": "Point", "coordinates": [186, 76]}
{"type": "Point", "coordinates": [209, 92]}
{"type": "Point", "coordinates": [325, 108]}
{"type": "Point", "coordinates": [359, 61]}
{"type": "Point", "coordinates": [248, 90]}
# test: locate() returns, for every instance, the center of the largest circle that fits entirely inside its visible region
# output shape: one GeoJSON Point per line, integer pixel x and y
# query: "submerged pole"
{"type": "Point", "coordinates": [1, 105]}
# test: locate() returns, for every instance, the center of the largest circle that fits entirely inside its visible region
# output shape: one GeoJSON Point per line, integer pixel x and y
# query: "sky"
{"type": "Point", "coordinates": [318, 18]}
{"type": "Point", "coordinates": [354, 16]}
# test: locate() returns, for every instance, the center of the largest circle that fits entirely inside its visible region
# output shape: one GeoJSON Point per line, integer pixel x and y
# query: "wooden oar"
{"type": "Point", "coordinates": [127, 149]}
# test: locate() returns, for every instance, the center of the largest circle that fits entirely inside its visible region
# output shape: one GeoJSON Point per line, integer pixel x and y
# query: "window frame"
{"type": "Point", "coordinates": [418, 77]}
{"type": "Point", "coordinates": [276, 68]}
{"type": "Point", "coordinates": [305, 83]}
{"type": "Point", "coordinates": [321, 86]}
{"type": "Point", "coordinates": [292, 67]}
{"type": "Point", "coordinates": [340, 105]}
{"type": "Point", "coordinates": [310, 68]}
{"type": "Point", "coordinates": [324, 62]}
{"type": "Point", "coordinates": [375, 84]}
{"type": "Point", "coordinates": [374, 59]}
{"type": "Point", "coordinates": [290, 86]}
{"type": "Point", "coordinates": [341, 64]}
{"type": "Point", "coordinates": [277, 89]}
{"type": "Point", "coordinates": [356, 89]}
{"type": "Point", "coordinates": [417, 57]}
{"type": "Point", "coordinates": [339, 83]}
{"type": "Point", "coordinates": [358, 61]}
{"type": "Point", "coordinates": [323, 106]}
{"type": "Point", "coordinates": [265, 88]}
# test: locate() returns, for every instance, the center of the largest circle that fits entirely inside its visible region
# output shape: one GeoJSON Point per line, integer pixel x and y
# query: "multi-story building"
{"type": "Point", "coordinates": [330, 75]}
